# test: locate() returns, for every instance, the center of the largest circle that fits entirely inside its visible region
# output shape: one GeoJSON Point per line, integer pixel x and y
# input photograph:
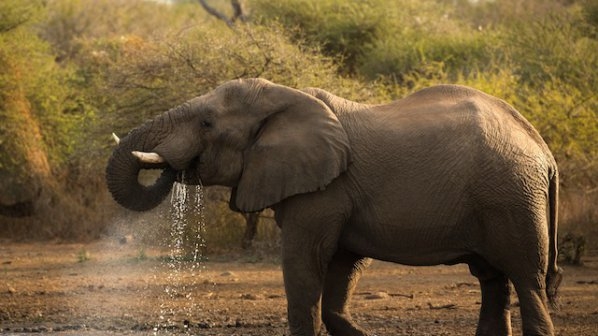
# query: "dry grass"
{"type": "Point", "coordinates": [578, 215]}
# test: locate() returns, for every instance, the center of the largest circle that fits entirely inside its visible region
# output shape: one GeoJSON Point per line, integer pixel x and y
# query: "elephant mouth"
{"type": "Point", "coordinates": [186, 176]}
{"type": "Point", "coordinates": [190, 175]}
{"type": "Point", "coordinates": [152, 160]}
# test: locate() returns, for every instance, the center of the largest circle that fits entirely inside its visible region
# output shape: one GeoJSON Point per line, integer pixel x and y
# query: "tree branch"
{"type": "Point", "coordinates": [238, 12]}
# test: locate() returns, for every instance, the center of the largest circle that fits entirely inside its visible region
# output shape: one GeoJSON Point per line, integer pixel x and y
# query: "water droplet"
{"type": "Point", "coordinates": [186, 253]}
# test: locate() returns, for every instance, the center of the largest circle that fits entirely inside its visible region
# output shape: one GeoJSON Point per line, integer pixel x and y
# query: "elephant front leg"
{"type": "Point", "coordinates": [304, 267]}
{"type": "Point", "coordinates": [303, 286]}
{"type": "Point", "coordinates": [344, 272]}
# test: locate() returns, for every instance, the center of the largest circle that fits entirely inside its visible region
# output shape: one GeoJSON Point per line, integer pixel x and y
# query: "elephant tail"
{"type": "Point", "coordinates": [554, 274]}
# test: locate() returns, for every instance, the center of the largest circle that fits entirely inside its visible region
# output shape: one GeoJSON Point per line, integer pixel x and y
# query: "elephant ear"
{"type": "Point", "coordinates": [300, 148]}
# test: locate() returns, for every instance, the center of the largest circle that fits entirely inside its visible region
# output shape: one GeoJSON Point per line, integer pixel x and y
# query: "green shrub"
{"type": "Point", "coordinates": [461, 53]}
{"type": "Point", "coordinates": [68, 22]}
{"type": "Point", "coordinates": [489, 14]}
{"type": "Point", "coordinates": [554, 47]}
{"type": "Point", "coordinates": [38, 130]}
{"type": "Point", "coordinates": [146, 77]}
{"type": "Point", "coordinates": [590, 12]}
{"type": "Point", "coordinates": [375, 38]}
{"type": "Point", "coordinates": [341, 29]}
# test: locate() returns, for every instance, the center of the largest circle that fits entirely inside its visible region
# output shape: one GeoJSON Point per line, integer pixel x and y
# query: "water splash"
{"type": "Point", "coordinates": [185, 261]}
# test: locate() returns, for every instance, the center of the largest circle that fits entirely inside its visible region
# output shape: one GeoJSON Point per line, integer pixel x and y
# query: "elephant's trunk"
{"type": "Point", "coordinates": [123, 170]}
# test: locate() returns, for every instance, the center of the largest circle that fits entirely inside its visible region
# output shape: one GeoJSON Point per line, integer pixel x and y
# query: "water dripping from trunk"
{"type": "Point", "coordinates": [185, 261]}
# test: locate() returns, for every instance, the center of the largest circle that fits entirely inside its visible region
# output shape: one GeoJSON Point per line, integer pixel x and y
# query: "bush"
{"type": "Point", "coordinates": [590, 13]}
{"type": "Point", "coordinates": [554, 47]}
{"type": "Point", "coordinates": [38, 130]}
{"type": "Point", "coordinates": [341, 29]}
{"type": "Point", "coordinates": [72, 72]}
{"type": "Point", "coordinates": [145, 77]}
{"type": "Point", "coordinates": [399, 55]}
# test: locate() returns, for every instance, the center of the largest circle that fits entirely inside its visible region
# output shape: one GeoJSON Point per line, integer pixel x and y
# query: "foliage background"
{"type": "Point", "coordinates": [74, 71]}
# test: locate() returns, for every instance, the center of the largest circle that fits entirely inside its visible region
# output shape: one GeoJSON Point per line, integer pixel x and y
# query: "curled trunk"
{"type": "Point", "coordinates": [123, 170]}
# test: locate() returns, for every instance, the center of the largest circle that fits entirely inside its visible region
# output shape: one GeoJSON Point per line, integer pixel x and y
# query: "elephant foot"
{"type": "Point", "coordinates": [497, 326]}
{"type": "Point", "coordinates": [340, 324]}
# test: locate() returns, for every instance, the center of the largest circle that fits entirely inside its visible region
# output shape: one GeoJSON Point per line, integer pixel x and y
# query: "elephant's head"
{"type": "Point", "coordinates": [266, 141]}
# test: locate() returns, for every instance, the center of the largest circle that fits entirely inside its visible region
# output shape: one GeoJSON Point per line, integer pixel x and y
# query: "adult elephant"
{"type": "Point", "coordinates": [447, 175]}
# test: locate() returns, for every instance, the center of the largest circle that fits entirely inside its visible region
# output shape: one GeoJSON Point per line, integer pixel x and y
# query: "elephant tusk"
{"type": "Point", "coordinates": [148, 157]}
{"type": "Point", "coordinates": [116, 138]}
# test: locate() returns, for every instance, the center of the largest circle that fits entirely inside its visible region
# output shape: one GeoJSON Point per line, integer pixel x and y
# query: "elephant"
{"type": "Point", "coordinates": [447, 175]}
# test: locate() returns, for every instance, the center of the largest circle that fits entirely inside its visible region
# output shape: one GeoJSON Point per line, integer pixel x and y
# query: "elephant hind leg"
{"type": "Point", "coordinates": [495, 314]}
{"type": "Point", "coordinates": [520, 250]}
{"type": "Point", "coordinates": [534, 308]}
{"type": "Point", "coordinates": [344, 272]}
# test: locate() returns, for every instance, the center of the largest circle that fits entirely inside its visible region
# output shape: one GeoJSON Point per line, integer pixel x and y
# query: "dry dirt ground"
{"type": "Point", "coordinates": [106, 288]}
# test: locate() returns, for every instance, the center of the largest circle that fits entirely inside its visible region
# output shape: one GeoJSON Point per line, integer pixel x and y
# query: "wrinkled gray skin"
{"type": "Point", "coordinates": [447, 175]}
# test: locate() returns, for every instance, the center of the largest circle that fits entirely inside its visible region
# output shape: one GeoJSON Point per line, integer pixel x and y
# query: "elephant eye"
{"type": "Point", "coordinates": [206, 124]}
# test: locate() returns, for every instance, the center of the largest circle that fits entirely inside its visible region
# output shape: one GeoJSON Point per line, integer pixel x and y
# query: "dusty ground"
{"type": "Point", "coordinates": [107, 288]}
